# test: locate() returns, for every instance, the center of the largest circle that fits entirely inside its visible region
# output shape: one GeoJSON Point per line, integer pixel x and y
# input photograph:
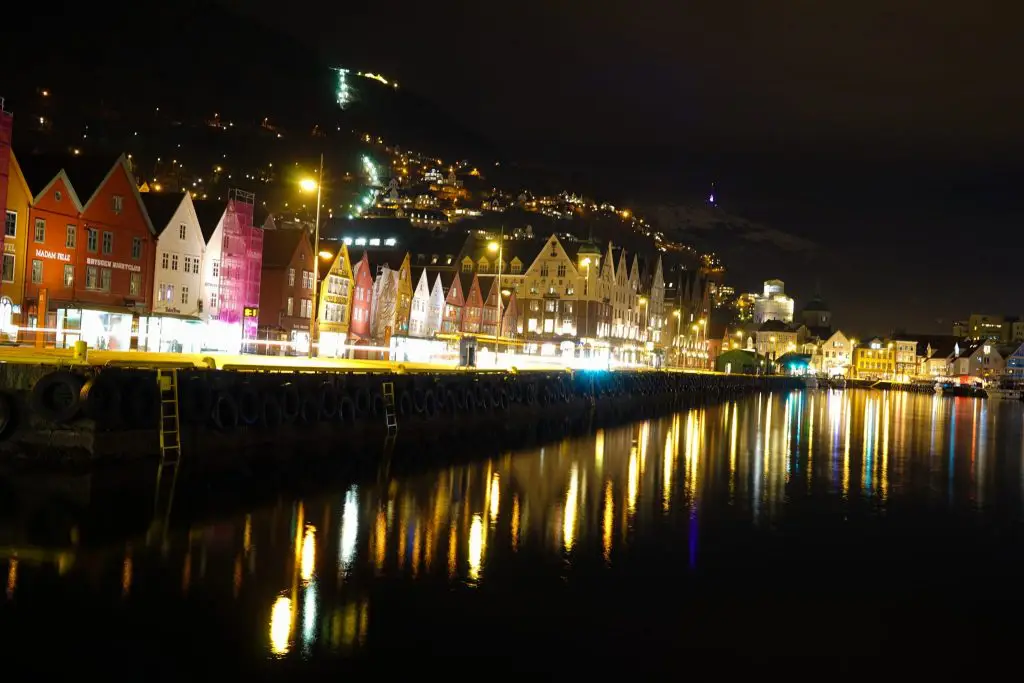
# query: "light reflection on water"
{"type": "Point", "coordinates": [310, 566]}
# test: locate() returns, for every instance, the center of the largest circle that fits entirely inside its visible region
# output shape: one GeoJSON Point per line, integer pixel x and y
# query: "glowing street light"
{"type": "Point", "coordinates": [326, 254]}
{"type": "Point", "coordinates": [308, 185]}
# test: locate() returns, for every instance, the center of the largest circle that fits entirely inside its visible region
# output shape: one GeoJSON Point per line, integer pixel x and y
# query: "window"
{"type": "Point", "coordinates": [181, 231]}
{"type": "Point", "coordinates": [40, 235]}
{"type": "Point", "coordinates": [92, 277]}
{"type": "Point", "coordinates": [307, 279]}
{"type": "Point", "coordinates": [216, 268]}
{"type": "Point", "coordinates": [117, 204]}
{"type": "Point", "coordinates": [213, 301]}
{"type": "Point", "coordinates": [184, 294]}
{"type": "Point", "coordinates": [91, 239]}
{"type": "Point", "coordinates": [289, 308]}
{"type": "Point", "coordinates": [71, 239]}
{"type": "Point", "coordinates": [306, 308]}
{"type": "Point", "coordinates": [8, 269]}
{"type": "Point", "coordinates": [561, 270]}
{"type": "Point", "coordinates": [108, 242]}
{"type": "Point", "coordinates": [69, 275]}
{"type": "Point", "coordinates": [136, 248]}
{"type": "Point", "coordinates": [174, 261]}
{"type": "Point", "coordinates": [335, 285]}
{"type": "Point", "coordinates": [543, 270]}
{"type": "Point", "coordinates": [105, 274]}
{"type": "Point", "coordinates": [37, 272]}
{"type": "Point", "coordinates": [549, 306]}
{"type": "Point", "coordinates": [135, 284]}
{"type": "Point", "coordinates": [164, 259]}
{"type": "Point", "coordinates": [291, 277]}
{"type": "Point", "coordinates": [11, 223]}
{"type": "Point", "coordinates": [165, 292]}
{"type": "Point", "coordinates": [517, 268]}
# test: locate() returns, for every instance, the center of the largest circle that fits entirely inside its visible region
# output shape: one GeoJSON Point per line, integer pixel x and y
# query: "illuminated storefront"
{"type": "Point", "coordinates": [106, 330]}
{"type": "Point", "coordinates": [171, 334]}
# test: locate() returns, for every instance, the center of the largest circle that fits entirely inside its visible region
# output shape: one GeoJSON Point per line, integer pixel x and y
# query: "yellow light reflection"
{"type": "Point", "coordinates": [515, 522]}
{"type": "Point", "coordinates": [810, 441]}
{"type": "Point", "coordinates": [380, 537]}
{"type": "Point", "coordinates": [495, 496]}
{"type": "Point", "coordinates": [452, 552]}
{"type": "Point", "coordinates": [236, 580]}
{"type": "Point", "coordinates": [846, 451]}
{"type": "Point", "coordinates": [633, 481]}
{"type": "Point", "coordinates": [667, 468]}
{"type": "Point", "coordinates": [417, 543]}
{"type": "Point", "coordinates": [476, 546]}
{"type": "Point", "coordinates": [733, 430]}
{"type": "Point", "coordinates": [349, 527]}
{"type": "Point", "coordinates": [308, 562]}
{"type": "Point", "coordinates": [247, 534]}
{"type": "Point", "coordinates": [609, 512]}
{"type": "Point", "coordinates": [571, 501]}
{"type": "Point", "coordinates": [884, 479]}
{"type": "Point", "coordinates": [281, 626]}
{"type": "Point", "coordinates": [126, 575]}
{"type": "Point", "coordinates": [599, 450]}
{"type": "Point", "coordinates": [12, 576]}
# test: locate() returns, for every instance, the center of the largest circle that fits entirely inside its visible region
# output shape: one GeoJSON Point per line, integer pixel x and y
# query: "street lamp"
{"type": "Point", "coordinates": [499, 248]}
{"type": "Point", "coordinates": [308, 185]}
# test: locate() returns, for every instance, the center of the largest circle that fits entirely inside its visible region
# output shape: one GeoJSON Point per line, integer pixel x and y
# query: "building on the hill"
{"type": "Point", "coordinates": [773, 303]}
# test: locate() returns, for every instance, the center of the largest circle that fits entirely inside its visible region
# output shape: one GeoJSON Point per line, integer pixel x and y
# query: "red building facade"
{"type": "Point", "coordinates": [362, 300]}
{"type": "Point", "coordinates": [90, 263]}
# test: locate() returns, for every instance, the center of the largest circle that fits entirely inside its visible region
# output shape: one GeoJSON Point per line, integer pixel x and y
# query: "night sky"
{"type": "Point", "coordinates": [878, 144]}
{"type": "Point", "coordinates": [886, 135]}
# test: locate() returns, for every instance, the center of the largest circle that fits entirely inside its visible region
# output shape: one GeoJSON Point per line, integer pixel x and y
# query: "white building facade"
{"type": "Point", "coordinates": [175, 324]}
{"type": "Point", "coordinates": [773, 304]}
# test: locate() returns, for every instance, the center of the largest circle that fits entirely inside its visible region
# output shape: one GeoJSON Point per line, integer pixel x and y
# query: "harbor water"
{"type": "Point", "coordinates": [811, 523]}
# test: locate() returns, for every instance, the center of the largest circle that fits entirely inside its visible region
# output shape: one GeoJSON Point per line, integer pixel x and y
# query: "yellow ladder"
{"type": "Point", "coordinates": [390, 414]}
{"type": "Point", "coordinates": [170, 439]}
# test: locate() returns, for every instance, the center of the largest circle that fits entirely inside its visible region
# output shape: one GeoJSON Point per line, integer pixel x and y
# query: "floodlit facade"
{"type": "Point", "coordinates": [773, 304]}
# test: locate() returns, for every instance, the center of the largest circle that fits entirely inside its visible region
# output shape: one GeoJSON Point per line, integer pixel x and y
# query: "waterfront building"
{"type": "Point", "coordinates": [835, 355]}
{"type": "Point", "coordinates": [978, 359]}
{"type": "Point", "coordinates": [392, 297]}
{"type": "Point", "coordinates": [89, 263]}
{"type": "Point", "coordinates": [454, 302]}
{"type": "Point", "coordinates": [286, 294]}
{"type": "Point", "coordinates": [420, 307]}
{"type": "Point", "coordinates": [362, 302]}
{"type": "Point", "coordinates": [175, 323]}
{"type": "Point", "coordinates": [334, 305]}
{"type": "Point", "coordinates": [773, 304]}
{"type": "Point", "coordinates": [774, 337]}
{"type": "Point", "coordinates": [232, 270]}
{"type": "Point", "coordinates": [15, 242]}
{"type": "Point", "coordinates": [436, 304]}
{"type": "Point", "coordinates": [1015, 363]}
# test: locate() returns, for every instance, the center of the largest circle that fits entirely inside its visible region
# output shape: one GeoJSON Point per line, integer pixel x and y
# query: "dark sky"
{"type": "Point", "coordinates": [885, 136]}
{"type": "Point", "coordinates": [888, 134]}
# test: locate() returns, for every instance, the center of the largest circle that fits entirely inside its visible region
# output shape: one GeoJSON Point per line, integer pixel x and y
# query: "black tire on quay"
{"type": "Point", "coordinates": [330, 402]}
{"type": "Point", "coordinates": [101, 398]}
{"type": "Point", "coordinates": [289, 402]}
{"type": "Point", "coordinates": [225, 412]}
{"type": "Point", "coordinates": [270, 417]}
{"type": "Point", "coordinates": [8, 416]}
{"type": "Point", "coordinates": [310, 411]}
{"type": "Point", "coordinates": [430, 406]}
{"type": "Point", "coordinates": [196, 399]}
{"type": "Point", "coordinates": [250, 407]}
{"type": "Point", "coordinates": [406, 408]}
{"type": "Point", "coordinates": [362, 401]}
{"type": "Point", "coordinates": [140, 400]}
{"type": "Point", "coordinates": [56, 396]}
{"type": "Point", "coordinates": [347, 410]}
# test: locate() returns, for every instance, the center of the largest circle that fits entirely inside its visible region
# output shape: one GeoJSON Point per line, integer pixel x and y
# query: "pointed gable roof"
{"type": "Point", "coordinates": [161, 207]}
{"type": "Point", "coordinates": [438, 287]}
{"type": "Point", "coordinates": [420, 276]}
{"type": "Point", "coordinates": [361, 269]}
{"type": "Point", "coordinates": [474, 285]}
{"type": "Point", "coordinates": [279, 246]}
{"type": "Point", "coordinates": [209, 212]}
{"type": "Point", "coordinates": [456, 294]}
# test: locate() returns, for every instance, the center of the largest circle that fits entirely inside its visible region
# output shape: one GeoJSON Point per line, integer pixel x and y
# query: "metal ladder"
{"type": "Point", "coordinates": [390, 414]}
{"type": "Point", "coordinates": [170, 442]}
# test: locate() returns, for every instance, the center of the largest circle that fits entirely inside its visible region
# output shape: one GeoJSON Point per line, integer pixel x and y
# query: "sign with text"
{"type": "Point", "coordinates": [116, 265]}
{"type": "Point", "coordinates": [251, 312]}
{"type": "Point", "coordinates": [53, 255]}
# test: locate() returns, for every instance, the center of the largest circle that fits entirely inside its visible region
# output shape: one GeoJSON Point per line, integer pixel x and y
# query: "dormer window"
{"type": "Point", "coordinates": [57, 195]}
{"type": "Point", "coordinates": [117, 203]}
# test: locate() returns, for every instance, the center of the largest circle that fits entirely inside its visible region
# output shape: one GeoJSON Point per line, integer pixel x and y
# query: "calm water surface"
{"type": "Point", "coordinates": [806, 523]}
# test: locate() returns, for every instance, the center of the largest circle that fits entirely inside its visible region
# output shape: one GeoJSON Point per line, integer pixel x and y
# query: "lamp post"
{"type": "Point", "coordinates": [308, 184]}
{"type": "Point", "coordinates": [498, 247]}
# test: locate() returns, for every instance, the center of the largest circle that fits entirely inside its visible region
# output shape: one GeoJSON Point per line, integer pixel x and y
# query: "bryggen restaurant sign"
{"type": "Point", "coordinates": [116, 265]}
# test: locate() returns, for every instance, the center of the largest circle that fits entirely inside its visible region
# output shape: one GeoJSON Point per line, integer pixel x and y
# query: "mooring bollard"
{"type": "Point", "coordinates": [81, 351]}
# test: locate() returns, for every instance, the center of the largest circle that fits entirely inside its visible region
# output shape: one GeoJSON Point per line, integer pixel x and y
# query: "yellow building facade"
{"type": "Point", "coordinates": [334, 311]}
